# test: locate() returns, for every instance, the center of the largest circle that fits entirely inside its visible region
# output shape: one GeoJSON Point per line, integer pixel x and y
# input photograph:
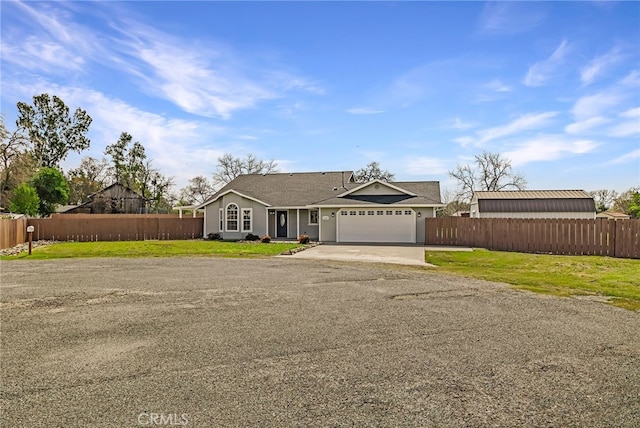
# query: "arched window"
{"type": "Point", "coordinates": [232, 218]}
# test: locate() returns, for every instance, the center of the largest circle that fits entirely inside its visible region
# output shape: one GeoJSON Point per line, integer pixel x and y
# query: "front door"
{"type": "Point", "coordinates": [281, 224]}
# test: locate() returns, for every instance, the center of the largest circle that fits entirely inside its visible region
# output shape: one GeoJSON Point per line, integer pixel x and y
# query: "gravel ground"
{"type": "Point", "coordinates": [283, 342]}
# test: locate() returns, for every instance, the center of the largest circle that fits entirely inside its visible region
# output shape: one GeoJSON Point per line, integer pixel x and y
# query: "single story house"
{"type": "Point", "coordinates": [326, 206]}
{"type": "Point", "coordinates": [113, 199]}
{"type": "Point", "coordinates": [533, 204]}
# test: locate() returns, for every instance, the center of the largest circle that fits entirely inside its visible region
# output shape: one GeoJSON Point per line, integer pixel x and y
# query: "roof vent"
{"type": "Point", "coordinates": [335, 188]}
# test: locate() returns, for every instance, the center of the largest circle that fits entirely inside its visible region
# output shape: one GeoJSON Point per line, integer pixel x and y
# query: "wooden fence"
{"type": "Point", "coordinates": [12, 232]}
{"type": "Point", "coordinates": [110, 227]}
{"type": "Point", "coordinates": [603, 237]}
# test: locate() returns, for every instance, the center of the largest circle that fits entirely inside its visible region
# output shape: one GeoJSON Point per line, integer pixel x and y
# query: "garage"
{"type": "Point", "coordinates": [376, 225]}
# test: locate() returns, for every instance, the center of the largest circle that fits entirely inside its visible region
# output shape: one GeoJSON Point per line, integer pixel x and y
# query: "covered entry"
{"type": "Point", "coordinates": [377, 225]}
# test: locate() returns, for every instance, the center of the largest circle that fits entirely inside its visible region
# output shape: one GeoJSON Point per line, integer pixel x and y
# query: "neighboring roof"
{"type": "Point", "coordinates": [300, 189]}
{"type": "Point", "coordinates": [613, 215]}
{"type": "Point", "coordinates": [535, 201]}
{"type": "Point", "coordinates": [533, 194]}
{"type": "Point", "coordinates": [91, 196]}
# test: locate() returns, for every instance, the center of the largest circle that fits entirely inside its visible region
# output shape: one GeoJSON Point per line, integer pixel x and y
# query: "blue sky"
{"type": "Point", "coordinates": [416, 86]}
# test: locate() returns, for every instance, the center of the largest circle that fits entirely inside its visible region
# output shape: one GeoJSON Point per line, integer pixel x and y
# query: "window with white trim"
{"type": "Point", "coordinates": [313, 216]}
{"type": "Point", "coordinates": [232, 218]}
{"type": "Point", "coordinates": [247, 219]}
{"type": "Point", "coordinates": [221, 220]}
{"type": "Point", "coordinates": [407, 212]}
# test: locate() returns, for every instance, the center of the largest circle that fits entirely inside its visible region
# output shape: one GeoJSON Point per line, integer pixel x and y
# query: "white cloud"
{"type": "Point", "coordinates": [547, 148]}
{"type": "Point", "coordinates": [631, 113]}
{"type": "Point", "coordinates": [509, 17]}
{"type": "Point", "coordinates": [626, 158]}
{"type": "Point", "coordinates": [595, 105]}
{"type": "Point", "coordinates": [422, 165]}
{"type": "Point", "coordinates": [460, 124]}
{"type": "Point", "coordinates": [600, 64]}
{"type": "Point", "coordinates": [498, 86]}
{"type": "Point", "coordinates": [585, 125]}
{"type": "Point", "coordinates": [625, 129]}
{"type": "Point", "coordinates": [523, 123]}
{"type": "Point", "coordinates": [465, 141]}
{"type": "Point", "coordinates": [364, 110]}
{"type": "Point", "coordinates": [542, 71]}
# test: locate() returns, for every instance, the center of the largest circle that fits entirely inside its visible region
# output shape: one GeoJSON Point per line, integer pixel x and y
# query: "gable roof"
{"type": "Point", "coordinates": [295, 189]}
{"type": "Point", "coordinates": [535, 201]}
{"type": "Point", "coordinates": [301, 189]}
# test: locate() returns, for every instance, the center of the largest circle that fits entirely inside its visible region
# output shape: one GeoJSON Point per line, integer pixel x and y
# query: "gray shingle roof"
{"type": "Point", "coordinates": [300, 189]}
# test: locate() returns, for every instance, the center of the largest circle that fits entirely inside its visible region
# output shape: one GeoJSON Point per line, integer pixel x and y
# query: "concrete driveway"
{"type": "Point", "coordinates": [396, 254]}
{"type": "Point", "coordinates": [412, 255]}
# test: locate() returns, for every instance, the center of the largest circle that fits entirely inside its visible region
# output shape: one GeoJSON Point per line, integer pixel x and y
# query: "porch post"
{"type": "Point", "coordinates": [297, 223]}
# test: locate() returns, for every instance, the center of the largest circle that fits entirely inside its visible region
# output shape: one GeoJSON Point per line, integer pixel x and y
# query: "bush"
{"type": "Point", "coordinates": [252, 237]}
{"type": "Point", "coordinates": [265, 239]}
{"type": "Point", "coordinates": [214, 237]}
{"type": "Point", "coordinates": [303, 239]}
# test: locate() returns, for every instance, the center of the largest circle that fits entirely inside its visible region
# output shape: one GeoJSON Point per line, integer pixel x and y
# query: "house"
{"type": "Point", "coordinates": [114, 199]}
{"type": "Point", "coordinates": [613, 215]}
{"type": "Point", "coordinates": [326, 206]}
{"type": "Point", "coordinates": [533, 204]}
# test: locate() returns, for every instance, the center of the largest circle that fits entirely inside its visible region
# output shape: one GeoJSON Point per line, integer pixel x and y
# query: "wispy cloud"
{"type": "Point", "coordinates": [633, 155]}
{"type": "Point", "coordinates": [596, 104]}
{"type": "Point", "coordinates": [523, 123]}
{"type": "Point", "coordinates": [422, 165]}
{"type": "Point", "coordinates": [625, 129]}
{"type": "Point", "coordinates": [460, 124]}
{"type": "Point", "coordinates": [541, 72]}
{"type": "Point", "coordinates": [498, 86]}
{"type": "Point", "coordinates": [600, 64]}
{"type": "Point", "coordinates": [548, 148]}
{"type": "Point", "coordinates": [364, 110]}
{"type": "Point", "coordinates": [585, 125]}
{"type": "Point", "coordinates": [507, 18]}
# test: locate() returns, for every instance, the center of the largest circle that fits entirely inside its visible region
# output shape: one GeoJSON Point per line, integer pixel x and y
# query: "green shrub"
{"type": "Point", "coordinates": [214, 237]}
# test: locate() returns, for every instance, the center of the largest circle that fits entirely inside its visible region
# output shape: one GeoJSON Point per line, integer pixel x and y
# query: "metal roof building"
{"type": "Point", "coordinates": [533, 204]}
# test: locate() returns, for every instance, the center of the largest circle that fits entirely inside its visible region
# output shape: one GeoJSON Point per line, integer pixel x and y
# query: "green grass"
{"type": "Point", "coordinates": [193, 248]}
{"type": "Point", "coordinates": [616, 279]}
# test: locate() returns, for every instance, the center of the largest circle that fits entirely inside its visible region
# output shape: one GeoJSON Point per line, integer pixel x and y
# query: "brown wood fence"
{"type": "Point", "coordinates": [12, 232]}
{"type": "Point", "coordinates": [111, 227]}
{"type": "Point", "coordinates": [603, 237]}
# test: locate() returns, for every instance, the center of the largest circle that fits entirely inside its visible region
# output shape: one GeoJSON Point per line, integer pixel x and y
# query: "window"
{"type": "Point", "coordinates": [389, 212]}
{"type": "Point", "coordinates": [407, 212]}
{"type": "Point", "coordinates": [343, 213]}
{"type": "Point", "coordinates": [232, 218]}
{"type": "Point", "coordinates": [247, 223]}
{"type": "Point", "coordinates": [313, 216]}
{"type": "Point", "coordinates": [380, 212]}
{"type": "Point", "coordinates": [398, 212]}
{"type": "Point", "coordinates": [220, 220]}
{"type": "Point", "coordinates": [352, 213]}
{"type": "Point", "coordinates": [370, 212]}
{"type": "Point", "coordinates": [361, 212]}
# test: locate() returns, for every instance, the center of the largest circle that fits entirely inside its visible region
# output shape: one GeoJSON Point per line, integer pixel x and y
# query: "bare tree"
{"type": "Point", "coordinates": [16, 163]}
{"type": "Point", "coordinates": [491, 172]}
{"type": "Point", "coordinates": [604, 198]}
{"type": "Point", "coordinates": [229, 167]}
{"type": "Point", "coordinates": [88, 178]}
{"type": "Point", "coordinates": [452, 205]}
{"type": "Point", "coordinates": [372, 172]}
{"type": "Point", "coordinates": [198, 191]}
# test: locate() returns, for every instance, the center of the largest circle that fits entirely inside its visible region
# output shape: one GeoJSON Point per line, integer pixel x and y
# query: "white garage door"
{"type": "Point", "coordinates": [376, 225]}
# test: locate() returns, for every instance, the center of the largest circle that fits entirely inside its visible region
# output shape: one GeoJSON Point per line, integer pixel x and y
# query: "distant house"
{"type": "Point", "coordinates": [114, 199]}
{"type": "Point", "coordinates": [613, 215]}
{"type": "Point", "coordinates": [533, 204]}
{"type": "Point", "coordinates": [326, 206]}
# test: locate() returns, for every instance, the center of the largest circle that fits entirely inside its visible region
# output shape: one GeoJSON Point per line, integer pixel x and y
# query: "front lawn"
{"type": "Point", "coordinates": [616, 279]}
{"type": "Point", "coordinates": [189, 248]}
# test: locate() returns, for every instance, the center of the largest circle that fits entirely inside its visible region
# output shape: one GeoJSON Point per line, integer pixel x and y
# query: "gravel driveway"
{"type": "Point", "coordinates": [289, 342]}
